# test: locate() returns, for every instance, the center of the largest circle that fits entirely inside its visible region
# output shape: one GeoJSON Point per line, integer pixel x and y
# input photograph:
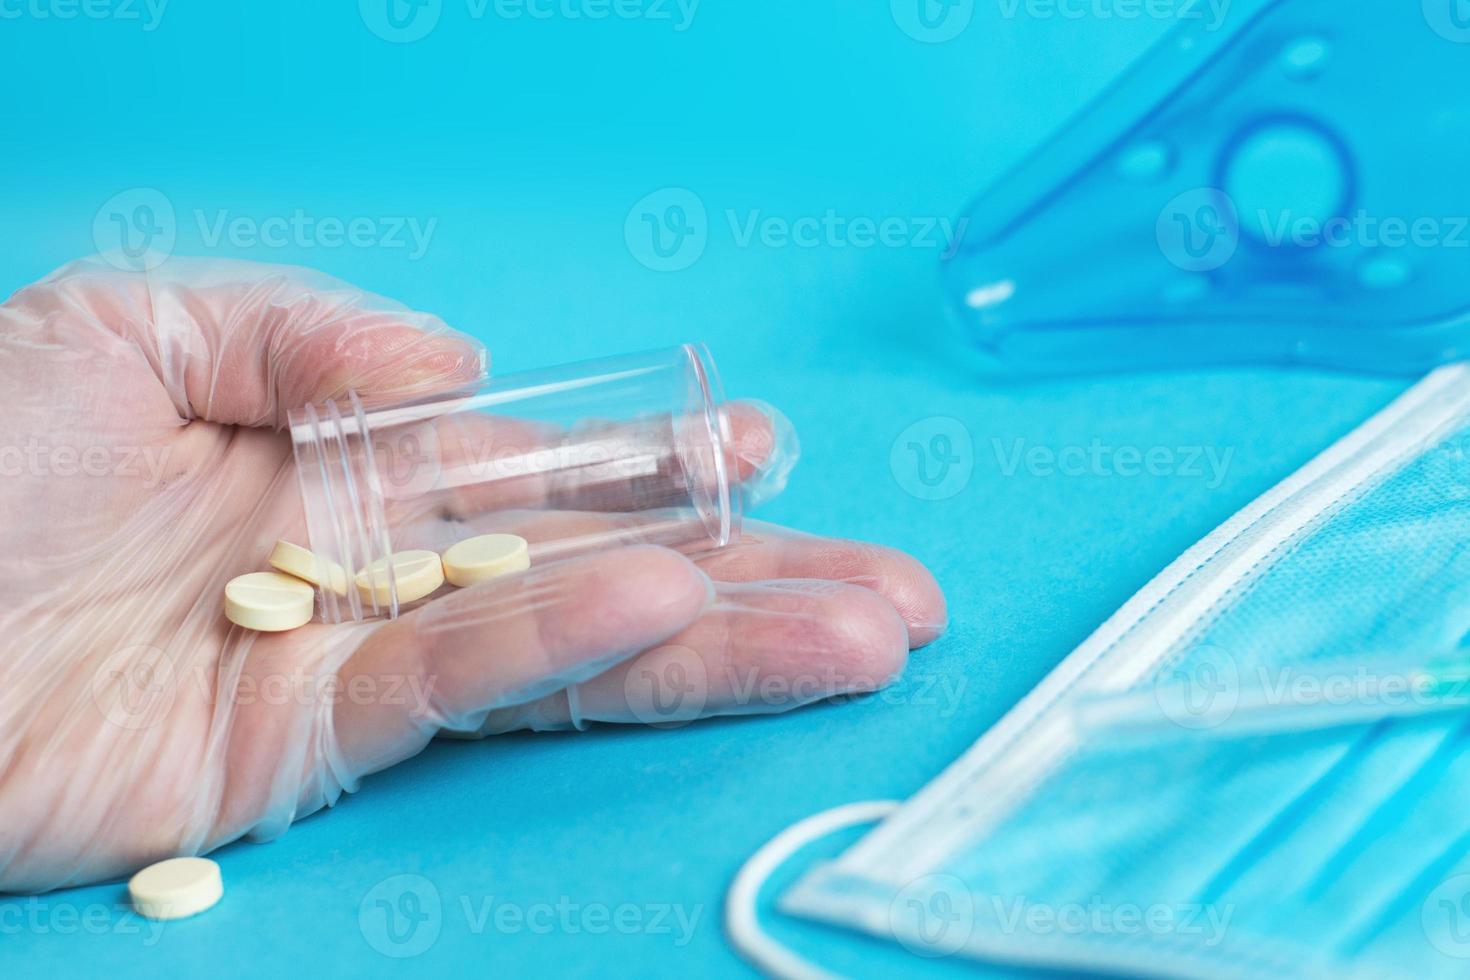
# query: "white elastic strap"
{"type": "Point", "coordinates": [742, 924]}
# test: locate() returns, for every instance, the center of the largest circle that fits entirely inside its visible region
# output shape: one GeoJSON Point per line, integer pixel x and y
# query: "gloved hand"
{"type": "Point", "coordinates": [142, 467]}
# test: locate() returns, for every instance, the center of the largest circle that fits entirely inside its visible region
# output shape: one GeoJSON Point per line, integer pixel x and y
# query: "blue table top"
{"type": "Point", "coordinates": [520, 143]}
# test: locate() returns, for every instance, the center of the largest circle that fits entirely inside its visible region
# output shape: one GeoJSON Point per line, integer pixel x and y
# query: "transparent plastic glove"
{"type": "Point", "coordinates": [143, 468]}
{"type": "Point", "coordinates": [796, 619]}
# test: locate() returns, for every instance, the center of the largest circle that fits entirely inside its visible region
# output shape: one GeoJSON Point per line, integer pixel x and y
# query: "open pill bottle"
{"type": "Point", "coordinates": [631, 449]}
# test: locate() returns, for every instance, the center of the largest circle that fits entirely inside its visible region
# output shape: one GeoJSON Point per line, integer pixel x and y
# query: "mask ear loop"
{"type": "Point", "coordinates": [742, 924]}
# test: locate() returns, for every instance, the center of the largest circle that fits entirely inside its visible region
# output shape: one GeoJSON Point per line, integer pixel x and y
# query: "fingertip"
{"type": "Point", "coordinates": [921, 602]}
{"type": "Point", "coordinates": [763, 449]}
{"type": "Point", "coordinates": [873, 636]}
{"type": "Point", "coordinates": [900, 578]}
{"type": "Point", "coordinates": [848, 634]}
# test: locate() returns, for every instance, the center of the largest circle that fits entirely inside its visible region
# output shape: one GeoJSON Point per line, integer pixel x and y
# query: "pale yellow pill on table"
{"type": "Point", "coordinates": [417, 573]}
{"type": "Point", "coordinates": [269, 601]}
{"type": "Point", "coordinates": [176, 888]}
{"type": "Point", "coordinates": [304, 564]}
{"type": "Point", "coordinates": [485, 557]}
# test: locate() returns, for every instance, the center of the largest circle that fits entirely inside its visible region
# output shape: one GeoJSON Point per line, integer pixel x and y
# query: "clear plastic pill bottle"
{"type": "Point", "coordinates": [575, 458]}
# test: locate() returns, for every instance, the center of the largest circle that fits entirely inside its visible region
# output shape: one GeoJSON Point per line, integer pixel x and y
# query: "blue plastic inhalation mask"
{"type": "Point", "coordinates": [1276, 181]}
{"type": "Point", "coordinates": [1334, 851]}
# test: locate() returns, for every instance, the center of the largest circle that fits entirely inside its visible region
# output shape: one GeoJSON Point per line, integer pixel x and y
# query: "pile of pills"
{"type": "Point", "coordinates": [285, 599]}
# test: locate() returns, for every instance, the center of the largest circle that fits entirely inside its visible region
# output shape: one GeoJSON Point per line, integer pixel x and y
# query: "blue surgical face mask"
{"type": "Point", "coordinates": [1338, 850]}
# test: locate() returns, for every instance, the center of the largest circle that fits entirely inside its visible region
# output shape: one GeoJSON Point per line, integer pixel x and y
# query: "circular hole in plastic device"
{"type": "Point", "coordinates": [1287, 177]}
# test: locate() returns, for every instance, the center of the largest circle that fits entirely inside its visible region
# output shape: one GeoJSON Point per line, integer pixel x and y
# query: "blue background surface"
{"type": "Point", "coordinates": [528, 142]}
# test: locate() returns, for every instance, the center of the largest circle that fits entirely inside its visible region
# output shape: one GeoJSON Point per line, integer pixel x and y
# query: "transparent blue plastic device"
{"type": "Point", "coordinates": [1290, 186]}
